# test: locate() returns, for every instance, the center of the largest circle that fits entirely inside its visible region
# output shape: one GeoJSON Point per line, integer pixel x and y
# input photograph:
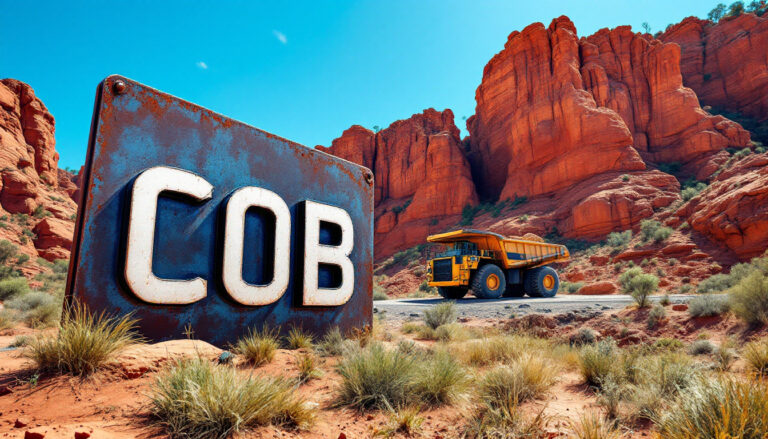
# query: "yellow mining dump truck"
{"type": "Point", "coordinates": [492, 265]}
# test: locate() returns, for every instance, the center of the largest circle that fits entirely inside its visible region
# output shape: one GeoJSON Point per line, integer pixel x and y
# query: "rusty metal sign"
{"type": "Point", "coordinates": [192, 220]}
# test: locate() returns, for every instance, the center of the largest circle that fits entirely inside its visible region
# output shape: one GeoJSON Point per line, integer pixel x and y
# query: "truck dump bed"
{"type": "Point", "coordinates": [512, 252]}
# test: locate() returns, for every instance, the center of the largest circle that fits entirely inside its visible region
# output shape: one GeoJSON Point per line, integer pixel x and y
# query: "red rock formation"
{"type": "Point", "coordinates": [553, 110]}
{"type": "Point", "coordinates": [733, 211]}
{"type": "Point", "coordinates": [32, 184]}
{"type": "Point", "coordinates": [725, 63]}
{"type": "Point", "coordinates": [421, 176]}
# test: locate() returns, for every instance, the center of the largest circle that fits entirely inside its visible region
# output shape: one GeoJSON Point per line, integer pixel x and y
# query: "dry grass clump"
{"type": "Point", "coordinates": [524, 379]}
{"type": "Point", "coordinates": [307, 364]}
{"type": "Point", "coordinates": [755, 353]}
{"type": "Point", "coordinates": [379, 378]}
{"type": "Point", "coordinates": [497, 349]}
{"type": "Point", "coordinates": [197, 399]}
{"type": "Point", "coordinates": [440, 314]}
{"type": "Point", "coordinates": [333, 344]}
{"type": "Point", "coordinates": [297, 338]}
{"type": "Point", "coordinates": [258, 347]}
{"type": "Point", "coordinates": [597, 361]}
{"type": "Point", "coordinates": [592, 426]}
{"type": "Point", "coordinates": [720, 408]}
{"type": "Point", "coordinates": [85, 343]}
{"type": "Point", "coordinates": [7, 319]}
{"type": "Point", "coordinates": [405, 421]}
{"type": "Point", "coordinates": [441, 380]}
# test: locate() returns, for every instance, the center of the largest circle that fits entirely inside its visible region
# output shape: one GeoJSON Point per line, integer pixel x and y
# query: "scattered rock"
{"type": "Point", "coordinates": [30, 434]}
{"type": "Point", "coordinates": [680, 307]}
{"type": "Point", "coordinates": [20, 423]}
{"type": "Point", "coordinates": [82, 434]}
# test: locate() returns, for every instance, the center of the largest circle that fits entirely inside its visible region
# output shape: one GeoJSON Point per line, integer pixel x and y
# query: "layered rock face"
{"type": "Point", "coordinates": [35, 196]}
{"type": "Point", "coordinates": [553, 110]}
{"type": "Point", "coordinates": [422, 177]}
{"type": "Point", "coordinates": [726, 63]}
{"type": "Point", "coordinates": [733, 211]}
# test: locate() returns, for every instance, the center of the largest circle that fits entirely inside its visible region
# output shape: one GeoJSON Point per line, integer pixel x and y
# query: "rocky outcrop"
{"type": "Point", "coordinates": [33, 191]}
{"type": "Point", "coordinates": [726, 64]}
{"type": "Point", "coordinates": [733, 211]}
{"type": "Point", "coordinates": [422, 177]}
{"type": "Point", "coordinates": [553, 110]}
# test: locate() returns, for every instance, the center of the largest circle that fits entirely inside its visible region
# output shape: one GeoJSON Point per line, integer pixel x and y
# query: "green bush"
{"type": "Point", "coordinates": [653, 230]}
{"type": "Point", "coordinates": [196, 398]}
{"type": "Point", "coordinates": [440, 314]}
{"type": "Point", "coordinates": [707, 305]}
{"type": "Point", "coordinates": [13, 287]}
{"type": "Point", "coordinates": [332, 343]}
{"type": "Point", "coordinates": [584, 336]}
{"type": "Point", "coordinates": [641, 286]}
{"type": "Point", "coordinates": [693, 190]}
{"type": "Point", "coordinates": [570, 287]}
{"type": "Point", "coordinates": [626, 278]}
{"type": "Point", "coordinates": [619, 240]}
{"type": "Point", "coordinates": [749, 298]}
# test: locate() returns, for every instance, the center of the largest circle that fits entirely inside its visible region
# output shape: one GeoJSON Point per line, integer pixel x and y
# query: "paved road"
{"type": "Point", "coordinates": [472, 307]}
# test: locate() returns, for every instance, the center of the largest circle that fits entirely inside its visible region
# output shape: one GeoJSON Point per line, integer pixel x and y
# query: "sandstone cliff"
{"type": "Point", "coordinates": [422, 177]}
{"type": "Point", "coordinates": [36, 208]}
{"type": "Point", "coordinates": [726, 64]}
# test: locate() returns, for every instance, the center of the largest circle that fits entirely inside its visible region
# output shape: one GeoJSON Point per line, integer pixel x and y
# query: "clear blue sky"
{"type": "Point", "coordinates": [303, 70]}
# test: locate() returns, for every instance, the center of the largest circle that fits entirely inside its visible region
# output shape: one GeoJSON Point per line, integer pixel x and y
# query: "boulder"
{"type": "Point", "coordinates": [598, 288]}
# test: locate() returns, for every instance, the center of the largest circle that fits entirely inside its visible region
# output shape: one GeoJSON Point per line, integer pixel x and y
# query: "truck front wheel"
{"type": "Point", "coordinates": [452, 292]}
{"type": "Point", "coordinates": [489, 282]}
{"type": "Point", "coordinates": [542, 282]}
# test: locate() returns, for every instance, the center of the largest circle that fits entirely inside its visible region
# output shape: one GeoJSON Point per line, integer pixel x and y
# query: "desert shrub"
{"type": "Point", "coordinates": [584, 336]}
{"type": "Point", "coordinates": [440, 314]}
{"type": "Point", "coordinates": [755, 353]}
{"type": "Point", "coordinates": [619, 239]}
{"type": "Point", "coordinates": [665, 300]}
{"type": "Point", "coordinates": [424, 287]}
{"type": "Point", "coordinates": [46, 314]}
{"type": "Point", "coordinates": [641, 286]}
{"type": "Point", "coordinates": [668, 344]}
{"type": "Point", "coordinates": [592, 426]}
{"type": "Point", "coordinates": [523, 380]}
{"type": "Point", "coordinates": [597, 361]}
{"type": "Point", "coordinates": [656, 315]}
{"type": "Point", "coordinates": [715, 284]}
{"type": "Point", "coordinates": [306, 362]}
{"type": "Point", "coordinates": [297, 338]}
{"type": "Point", "coordinates": [441, 380]}
{"type": "Point", "coordinates": [379, 293]}
{"type": "Point", "coordinates": [725, 355]}
{"type": "Point", "coordinates": [718, 408]}
{"type": "Point", "coordinates": [258, 347]}
{"type": "Point", "coordinates": [693, 190]}
{"type": "Point", "coordinates": [376, 378]}
{"type": "Point", "coordinates": [7, 319]}
{"type": "Point", "coordinates": [701, 347]}
{"type": "Point", "coordinates": [85, 343]}
{"type": "Point", "coordinates": [653, 230]}
{"type": "Point", "coordinates": [570, 287]}
{"type": "Point", "coordinates": [708, 305]}
{"type": "Point", "coordinates": [749, 298]}
{"type": "Point", "coordinates": [195, 398]}
{"type": "Point", "coordinates": [627, 276]}
{"type": "Point", "coordinates": [404, 257]}
{"type": "Point", "coordinates": [13, 287]}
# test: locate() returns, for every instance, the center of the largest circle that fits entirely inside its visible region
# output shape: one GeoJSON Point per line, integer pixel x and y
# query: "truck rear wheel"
{"type": "Point", "coordinates": [542, 282]}
{"type": "Point", "coordinates": [489, 282]}
{"type": "Point", "coordinates": [452, 292]}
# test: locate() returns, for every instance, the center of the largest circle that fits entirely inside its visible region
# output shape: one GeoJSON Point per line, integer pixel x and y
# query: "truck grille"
{"type": "Point", "coordinates": [442, 270]}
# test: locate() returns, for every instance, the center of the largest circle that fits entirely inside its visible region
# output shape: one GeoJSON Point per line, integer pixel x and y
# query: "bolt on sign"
{"type": "Point", "coordinates": [192, 220]}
